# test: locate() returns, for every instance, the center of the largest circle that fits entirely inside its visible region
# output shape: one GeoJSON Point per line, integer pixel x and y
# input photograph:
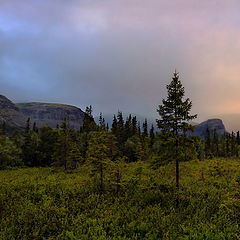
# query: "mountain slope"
{"type": "Point", "coordinates": [10, 114]}
{"type": "Point", "coordinates": [211, 124]}
{"type": "Point", "coordinates": [52, 114]}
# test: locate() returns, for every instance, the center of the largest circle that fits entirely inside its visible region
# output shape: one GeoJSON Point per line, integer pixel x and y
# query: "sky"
{"type": "Point", "coordinates": [120, 54]}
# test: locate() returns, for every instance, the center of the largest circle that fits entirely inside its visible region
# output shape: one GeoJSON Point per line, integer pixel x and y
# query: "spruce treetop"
{"type": "Point", "coordinates": [175, 110]}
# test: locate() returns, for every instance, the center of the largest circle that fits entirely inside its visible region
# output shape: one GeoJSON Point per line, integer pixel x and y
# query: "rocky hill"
{"type": "Point", "coordinates": [10, 114]}
{"type": "Point", "coordinates": [44, 114]}
{"type": "Point", "coordinates": [211, 124]}
{"type": "Point", "coordinates": [51, 114]}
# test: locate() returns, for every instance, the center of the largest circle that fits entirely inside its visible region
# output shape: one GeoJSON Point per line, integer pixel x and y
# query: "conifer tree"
{"type": "Point", "coordinates": [114, 128]}
{"type": "Point", "coordinates": [35, 129]}
{"type": "Point", "coordinates": [128, 127]}
{"type": "Point", "coordinates": [208, 143]}
{"type": "Point", "coordinates": [238, 138]}
{"type": "Point", "coordinates": [27, 128]}
{"type": "Point", "coordinates": [102, 123]}
{"type": "Point", "coordinates": [134, 125]}
{"type": "Point", "coordinates": [238, 143]}
{"type": "Point", "coordinates": [120, 120]}
{"type": "Point", "coordinates": [101, 151]}
{"type": "Point", "coordinates": [233, 145]}
{"type": "Point", "coordinates": [175, 116]}
{"type": "Point", "coordinates": [120, 133]}
{"type": "Point", "coordinates": [48, 139]}
{"type": "Point", "coordinates": [67, 153]}
{"type": "Point", "coordinates": [88, 121]}
{"type": "Point", "coordinates": [139, 132]}
{"type": "Point", "coordinates": [145, 128]}
{"type": "Point", "coordinates": [3, 129]}
{"type": "Point", "coordinates": [152, 136]}
{"type": "Point", "coordinates": [215, 144]}
{"type": "Point", "coordinates": [30, 147]}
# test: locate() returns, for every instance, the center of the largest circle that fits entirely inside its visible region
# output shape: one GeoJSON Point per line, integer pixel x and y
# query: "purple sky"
{"type": "Point", "coordinates": [120, 54]}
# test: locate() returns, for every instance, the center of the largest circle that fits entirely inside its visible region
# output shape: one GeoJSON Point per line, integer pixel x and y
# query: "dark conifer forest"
{"type": "Point", "coordinates": [124, 181]}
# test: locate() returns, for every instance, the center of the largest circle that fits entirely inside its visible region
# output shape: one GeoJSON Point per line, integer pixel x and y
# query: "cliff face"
{"type": "Point", "coordinates": [50, 114]}
{"type": "Point", "coordinates": [211, 124]}
{"type": "Point", "coordinates": [10, 114]}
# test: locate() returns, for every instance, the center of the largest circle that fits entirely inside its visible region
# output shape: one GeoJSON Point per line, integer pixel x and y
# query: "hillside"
{"type": "Point", "coordinates": [231, 121]}
{"type": "Point", "coordinates": [51, 114]}
{"type": "Point", "coordinates": [211, 124]}
{"type": "Point", "coordinates": [10, 114]}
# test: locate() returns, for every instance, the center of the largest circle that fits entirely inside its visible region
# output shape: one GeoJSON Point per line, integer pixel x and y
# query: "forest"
{"type": "Point", "coordinates": [124, 181]}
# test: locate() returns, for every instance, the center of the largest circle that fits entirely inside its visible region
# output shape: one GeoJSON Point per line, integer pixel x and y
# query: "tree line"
{"type": "Point", "coordinates": [127, 140]}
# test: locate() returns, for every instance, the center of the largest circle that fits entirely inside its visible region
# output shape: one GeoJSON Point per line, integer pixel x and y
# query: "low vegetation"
{"type": "Point", "coordinates": [42, 203]}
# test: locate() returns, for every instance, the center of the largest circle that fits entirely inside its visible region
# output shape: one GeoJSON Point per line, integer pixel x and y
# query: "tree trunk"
{"type": "Point", "coordinates": [177, 173]}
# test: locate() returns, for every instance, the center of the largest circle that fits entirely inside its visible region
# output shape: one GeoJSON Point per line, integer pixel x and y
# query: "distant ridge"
{"type": "Point", "coordinates": [52, 114]}
{"type": "Point", "coordinates": [10, 114]}
{"type": "Point", "coordinates": [44, 114]}
{"type": "Point", "coordinates": [211, 124]}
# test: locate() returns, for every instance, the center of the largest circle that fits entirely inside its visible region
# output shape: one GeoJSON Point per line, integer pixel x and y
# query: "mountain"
{"type": "Point", "coordinates": [44, 114]}
{"type": "Point", "coordinates": [52, 114]}
{"type": "Point", "coordinates": [231, 121]}
{"type": "Point", "coordinates": [211, 124]}
{"type": "Point", "coordinates": [10, 114]}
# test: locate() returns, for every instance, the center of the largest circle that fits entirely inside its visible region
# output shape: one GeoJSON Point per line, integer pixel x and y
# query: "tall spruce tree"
{"type": "Point", "coordinates": [152, 136]}
{"type": "Point", "coordinates": [145, 128]}
{"type": "Point", "coordinates": [175, 116]}
{"type": "Point", "coordinates": [102, 124]}
{"type": "Point", "coordinates": [114, 128]}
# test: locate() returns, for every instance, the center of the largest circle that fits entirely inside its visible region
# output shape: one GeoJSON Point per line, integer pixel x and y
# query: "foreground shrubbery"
{"type": "Point", "coordinates": [41, 203]}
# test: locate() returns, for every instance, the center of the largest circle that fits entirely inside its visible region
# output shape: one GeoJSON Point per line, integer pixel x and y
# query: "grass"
{"type": "Point", "coordinates": [42, 203]}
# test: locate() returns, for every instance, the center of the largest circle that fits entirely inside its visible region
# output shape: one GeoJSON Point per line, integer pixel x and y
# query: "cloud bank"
{"type": "Point", "coordinates": [120, 54]}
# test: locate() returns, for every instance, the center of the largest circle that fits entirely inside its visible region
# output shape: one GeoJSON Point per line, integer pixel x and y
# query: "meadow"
{"type": "Point", "coordinates": [45, 203]}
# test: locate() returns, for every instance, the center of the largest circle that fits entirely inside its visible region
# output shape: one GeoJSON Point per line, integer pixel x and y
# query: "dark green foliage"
{"type": "Point", "coordinates": [208, 152]}
{"type": "Point", "coordinates": [221, 145]}
{"type": "Point", "coordinates": [30, 149]}
{"type": "Point", "coordinates": [102, 150]}
{"type": "Point", "coordinates": [152, 136]}
{"type": "Point", "coordinates": [10, 153]}
{"type": "Point", "coordinates": [102, 124]}
{"type": "Point", "coordinates": [48, 139]}
{"type": "Point", "coordinates": [145, 128]}
{"type": "Point", "coordinates": [66, 153]}
{"type": "Point", "coordinates": [88, 121]}
{"type": "Point", "coordinates": [136, 149]}
{"type": "Point", "coordinates": [215, 144]}
{"type": "Point", "coordinates": [114, 125]}
{"type": "Point", "coordinates": [27, 128]}
{"type": "Point", "coordinates": [35, 129]}
{"type": "Point", "coordinates": [3, 128]}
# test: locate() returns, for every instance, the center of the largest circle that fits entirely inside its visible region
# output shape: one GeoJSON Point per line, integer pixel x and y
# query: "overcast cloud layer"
{"type": "Point", "coordinates": [120, 54]}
